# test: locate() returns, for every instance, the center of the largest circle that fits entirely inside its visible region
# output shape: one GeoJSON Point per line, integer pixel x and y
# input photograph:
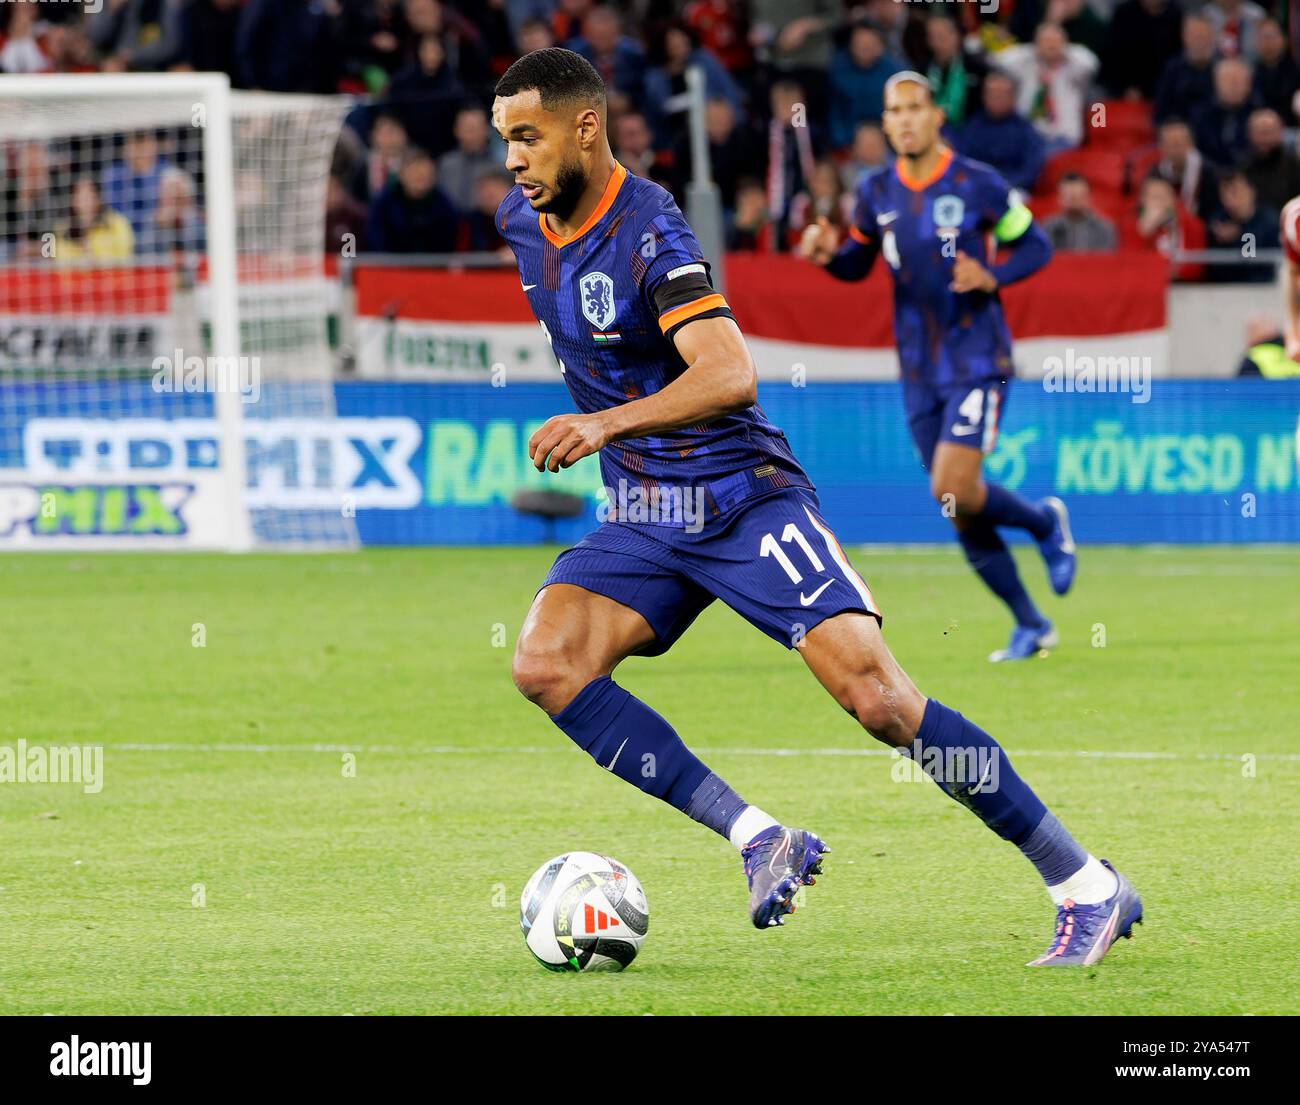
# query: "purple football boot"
{"type": "Point", "coordinates": [777, 862]}
{"type": "Point", "coordinates": [1058, 548]}
{"type": "Point", "coordinates": [1027, 641]}
{"type": "Point", "coordinates": [1084, 933]}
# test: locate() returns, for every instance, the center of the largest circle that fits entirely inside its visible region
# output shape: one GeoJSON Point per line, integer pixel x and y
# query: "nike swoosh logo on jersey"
{"type": "Point", "coordinates": [808, 600]}
{"type": "Point", "coordinates": [610, 766]}
{"type": "Point", "coordinates": [529, 287]}
{"type": "Point", "coordinates": [887, 218]}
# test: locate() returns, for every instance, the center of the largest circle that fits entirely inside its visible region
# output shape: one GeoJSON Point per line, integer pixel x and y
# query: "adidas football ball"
{"type": "Point", "coordinates": [583, 912]}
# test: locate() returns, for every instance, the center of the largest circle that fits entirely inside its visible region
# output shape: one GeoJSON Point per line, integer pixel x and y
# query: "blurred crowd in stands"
{"type": "Point", "coordinates": [101, 199]}
{"type": "Point", "coordinates": [1159, 124]}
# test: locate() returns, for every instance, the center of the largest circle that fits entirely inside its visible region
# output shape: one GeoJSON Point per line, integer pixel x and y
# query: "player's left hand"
{"type": "Point", "coordinates": [968, 275]}
{"type": "Point", "coordinates": [565, 439]}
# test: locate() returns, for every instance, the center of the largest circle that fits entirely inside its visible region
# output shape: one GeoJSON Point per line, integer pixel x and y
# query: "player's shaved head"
{"type": "Point", "coordinates": [911, 119]}
{"type": "Point", "coordinates": [561, 79]}
{"type": "Point", "coordinates": [550, 109]}
{"type": "Point", "coordinates": [908, 76]}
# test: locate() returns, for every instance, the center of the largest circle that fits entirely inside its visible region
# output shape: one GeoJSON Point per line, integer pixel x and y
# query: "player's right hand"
{"type": "Point", "coordinates": [565, 439]}
{"type": "Point", "coordinates": [819, 242]}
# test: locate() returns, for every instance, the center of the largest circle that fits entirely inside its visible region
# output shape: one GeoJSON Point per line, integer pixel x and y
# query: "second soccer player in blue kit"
{"type": "Point", "coordinates": [930, 215]}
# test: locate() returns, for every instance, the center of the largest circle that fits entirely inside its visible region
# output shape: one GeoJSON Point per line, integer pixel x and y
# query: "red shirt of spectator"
{"type": "Point", "coordinates": [717, 25]}
{"type": "Point", "coordinates": [1164, 224]}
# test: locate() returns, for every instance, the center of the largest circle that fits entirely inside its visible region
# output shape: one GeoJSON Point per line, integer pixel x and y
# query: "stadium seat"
{"type": "Point", "coordinates": [1043, 207]}
{"type": "Point", "coordinates": [1121, 210]}
{"type": "Point", "coordinates": [1128, 233]}
{"type": "Point", "coordinates": [1128, 124]}
{"type": "Point", "coordinates": [1103, 169]}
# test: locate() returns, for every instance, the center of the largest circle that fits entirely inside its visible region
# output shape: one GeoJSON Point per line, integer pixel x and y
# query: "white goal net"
{"type": "Point", "coordinates": [165, 372]}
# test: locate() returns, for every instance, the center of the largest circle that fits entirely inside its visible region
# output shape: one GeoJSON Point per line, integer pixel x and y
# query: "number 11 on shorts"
{"type": "Point", "coordinates": [769, 547]}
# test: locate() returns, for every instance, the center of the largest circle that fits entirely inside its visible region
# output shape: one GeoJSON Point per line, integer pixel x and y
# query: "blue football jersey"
{"type": "Point", "coordinates": [605, 299]}
{"type": "Point", "coordinates": [944, 339]}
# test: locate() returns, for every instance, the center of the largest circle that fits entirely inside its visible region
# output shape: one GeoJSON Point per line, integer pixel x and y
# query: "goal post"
{"type": "Point", "coordinates": [165, 373]}
{"type": "Point", "coordinates": [219, 204]}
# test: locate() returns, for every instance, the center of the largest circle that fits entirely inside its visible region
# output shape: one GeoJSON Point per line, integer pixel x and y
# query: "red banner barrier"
{"type": "Point", "coordinates": [1082, 295]}
{"type": "Point", "coordinates": [783, 298]}
{"type": "Point", "coordinates": [48, 289]}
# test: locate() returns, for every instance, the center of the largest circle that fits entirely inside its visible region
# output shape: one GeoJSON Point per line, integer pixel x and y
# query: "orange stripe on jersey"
{"type": "Point", "coordinates": [945, 159]}
{"type": "Point", "coordinates": [606, 202]}
{"type": "Point", "coordinates": [991, 422]}
{"type": "Point", "coordinates": [850, 573]}
{"type": "Point", "coordinates": [859, 237]}
{"type": "Point", "coordinates": [669, 319]}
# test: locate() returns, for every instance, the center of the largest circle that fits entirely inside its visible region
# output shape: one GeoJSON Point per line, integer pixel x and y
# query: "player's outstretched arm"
{"type": "Point", "coordinates": [848, 260]}
{"type": "Point", "coordinates": [720, 379]}
{"type": "Point", "coordinates": [1291, 308]}
{"type": "Point", "coordinates": [1030, 249]}
{"type": "Point", "coordinates": [1291, 276]}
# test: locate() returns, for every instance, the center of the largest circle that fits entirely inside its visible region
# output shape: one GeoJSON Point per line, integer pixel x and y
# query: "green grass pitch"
{"type": "Point", "coordinates": [233, 864]}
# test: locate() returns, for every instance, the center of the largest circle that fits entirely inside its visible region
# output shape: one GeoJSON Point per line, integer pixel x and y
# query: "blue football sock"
{"type": "Point", "coordinates": [971, 767]}
{"type": "Point", "coordinates": [623, 735]}
{"type": "Point", "coordinates": [1006, 508]}
{"type": "Point", "coordinates": [995, 565]}
{"type": "Point", "coordinates": [1055, 853]}
{"type": "Point", "coordinates": [715, 804]}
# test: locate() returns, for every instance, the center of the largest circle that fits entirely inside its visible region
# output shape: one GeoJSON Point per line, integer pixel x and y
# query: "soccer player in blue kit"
{"type": "Point", "coordinates": [666, 394]}
{"type": "Point", "coordinates": [931, 214]}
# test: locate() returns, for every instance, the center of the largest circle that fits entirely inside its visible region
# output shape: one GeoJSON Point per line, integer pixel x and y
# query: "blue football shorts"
{"type": "Point", "coordinates": [964, 414]}
{"type": "Point", "coordinates": [773, 559]}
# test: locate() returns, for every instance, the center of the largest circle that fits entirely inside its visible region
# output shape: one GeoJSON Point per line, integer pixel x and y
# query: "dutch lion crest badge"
{"type": "Point", "coordinates": [597, 292]}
